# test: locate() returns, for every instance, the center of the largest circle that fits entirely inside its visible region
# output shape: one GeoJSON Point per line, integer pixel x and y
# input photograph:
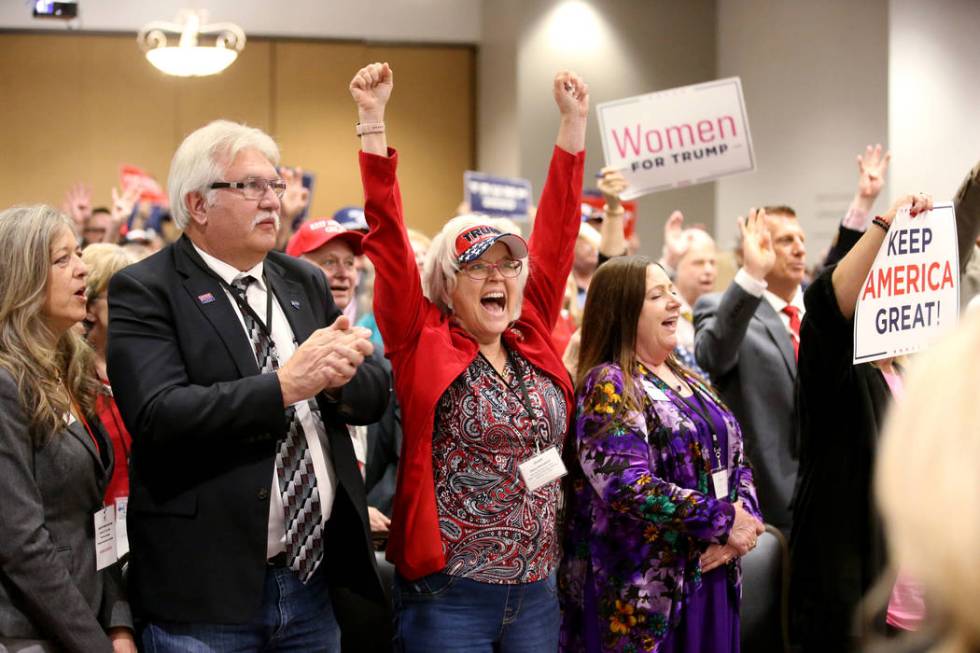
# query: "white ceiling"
{"type": "Point", "coordinates": [437, 21]}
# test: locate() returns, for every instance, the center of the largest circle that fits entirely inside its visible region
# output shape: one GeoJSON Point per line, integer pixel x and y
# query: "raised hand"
{"type": "Point", "coordinates": [872, 166]}
{"type": "Point", "coordinates": [371, 88]}
{"type": "Point", "coordinates": [676, 240]}
{"type": "Point", "coordinates": [122, 206]}
{"type": "Point", "coordinates": [78, 204]}
{"type": "Point", "coordinates": [296, 197]}
{"type": "Point", "coordinates": [571, 95]}
{"type": "Point", "coordinates": [917, 203]}
{"type": "Point", "coordinates": [611, 184]}
{"type": "Point", "coordinates": [758, 256]}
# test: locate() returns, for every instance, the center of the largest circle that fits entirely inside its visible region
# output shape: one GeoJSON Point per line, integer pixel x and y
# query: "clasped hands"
{"type": "Point", "coordinates": [742, 538]}
{"type": "Point", "coordinates": [326, 361]}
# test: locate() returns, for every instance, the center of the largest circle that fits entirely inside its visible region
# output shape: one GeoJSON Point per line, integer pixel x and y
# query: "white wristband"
{"type": "Point", "coordinates": [364, 128]}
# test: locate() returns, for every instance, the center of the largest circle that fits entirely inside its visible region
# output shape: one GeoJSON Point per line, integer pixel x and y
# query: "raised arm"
{"type": "Point", "coordinates": [552, 243]}
{"type": "Point", "coordinates": [872, 166]}
{"type": "Point", "coordinates": [399, 304]}
{"type": "Point", "coordinates": [721, 324]}
{"type": "Point", "coordinates": [612, 183]}
{"type": "Point", "coordinates": [850, 273]}
{"type": "Point", "coordinates": [371, 88]}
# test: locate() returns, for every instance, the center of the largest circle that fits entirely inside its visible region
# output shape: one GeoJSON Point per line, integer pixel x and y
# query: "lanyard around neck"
{"type": "Point", "coordinates": [242, 301]}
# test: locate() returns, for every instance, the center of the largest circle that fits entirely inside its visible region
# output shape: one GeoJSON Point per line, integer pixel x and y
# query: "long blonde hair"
{"type": "Point", "coordinates": [928, 486]}
{"type": "Point", "coordinates": [44, 374]}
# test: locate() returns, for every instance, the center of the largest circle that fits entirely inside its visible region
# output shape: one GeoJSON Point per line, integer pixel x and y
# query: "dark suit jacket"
{"type": "Point", "coordinates": [49, 587]}
{"type": "Point", "coordinates": [384, 446]}
{"type": "Point", "coordinates": [742, 343]}
{"type": "Point", "coordinates": [205, 425]}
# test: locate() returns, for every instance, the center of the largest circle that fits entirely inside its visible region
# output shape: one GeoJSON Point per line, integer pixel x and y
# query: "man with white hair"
{"type": "Point", "coordinates": [236, 373]}
{"type": "Point", "coordinates": [693, 259]}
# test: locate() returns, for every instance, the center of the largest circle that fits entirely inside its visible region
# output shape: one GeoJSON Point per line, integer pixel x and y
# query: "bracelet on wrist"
{"type": "Point", "coordinates": [617, 211]}
{"type": "Point", "coordinates": [881, 222]}
{"type": "Point", "coordinates": [364, 128]}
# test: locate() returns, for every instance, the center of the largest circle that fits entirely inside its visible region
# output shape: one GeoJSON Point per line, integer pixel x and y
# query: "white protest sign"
{"type": "Point", "coordinates": [678, 137]}
{"type": "Point", "coordinates": [912, 294]}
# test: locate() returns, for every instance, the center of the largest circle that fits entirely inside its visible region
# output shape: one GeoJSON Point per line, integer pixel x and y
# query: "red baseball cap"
{"type": "Point", "coordinates": [471, 244]}
{"type": "Point", "coordinates": [314, 234]}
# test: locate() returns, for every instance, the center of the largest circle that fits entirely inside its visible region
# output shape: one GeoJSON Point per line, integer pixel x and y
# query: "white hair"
{"type": "Point", "coordinates": [204, 156]}
{"type": "Point", "coordinates": [440, 268]}
{"type": "Point", "coordinates": [927, 482]}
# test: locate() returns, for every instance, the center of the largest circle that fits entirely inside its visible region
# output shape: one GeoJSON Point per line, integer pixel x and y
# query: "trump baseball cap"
{"type": "Point", "coordinates": [473, 242]}
{"type": "Point", "coordinates": [314, 234]}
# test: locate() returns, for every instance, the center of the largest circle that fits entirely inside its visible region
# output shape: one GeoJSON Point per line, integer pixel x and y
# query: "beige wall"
{"type": "Point", "coordinates": [629, 47]}
{"type": "Point", "coordinates": [933, 95]}
{"type": "Point", "coordinates": [815, 78]}
{"type": "Point", "coordinates": [76, 107]}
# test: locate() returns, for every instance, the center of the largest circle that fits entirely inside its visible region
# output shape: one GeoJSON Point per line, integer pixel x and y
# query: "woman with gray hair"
{"type": "Point", "coordinates": [55, 459]}
{"type": "Point", "coordinates": [486, 401]}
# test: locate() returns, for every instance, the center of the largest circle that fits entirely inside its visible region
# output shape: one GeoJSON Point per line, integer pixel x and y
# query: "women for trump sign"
{"type": "Point", "coordinates": [678, 137]}
{"type": "Point", "coordinates": [911, 296]}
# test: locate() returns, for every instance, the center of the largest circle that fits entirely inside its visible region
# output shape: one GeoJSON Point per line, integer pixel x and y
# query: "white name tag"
{"type": "Point", "coordinates": [542, 468]}
{"type": "Point", "coordinates": [654, 392]}
{"type": "Point", "coordinates": [122, 537]}
{"type": "Point", "coordinates": [720, 480]}
{"type": "Point", "coordinates": [105, 537]}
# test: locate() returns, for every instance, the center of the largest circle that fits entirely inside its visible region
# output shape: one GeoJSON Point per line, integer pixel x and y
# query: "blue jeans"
{"type": "Point", "coordinates": [293, 617]}
{"type": "Point", "coordinates": [450, 613]}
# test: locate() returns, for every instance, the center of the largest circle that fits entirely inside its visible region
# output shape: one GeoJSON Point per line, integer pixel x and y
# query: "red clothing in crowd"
{"type": "Point", "coordinates": [428, 352]}
{"type": "Point", "coordinates": [105, 407]}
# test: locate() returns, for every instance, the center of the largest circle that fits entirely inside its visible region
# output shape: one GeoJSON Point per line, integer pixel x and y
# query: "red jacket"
{"type": "Point", "coordinates": [428, 352]}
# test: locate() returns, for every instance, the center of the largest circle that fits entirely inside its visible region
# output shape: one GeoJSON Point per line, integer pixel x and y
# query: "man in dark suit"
{"type": "Point", "coordinates": [237, 375]}
{"type": "Point", "coordinates": [747, 338]}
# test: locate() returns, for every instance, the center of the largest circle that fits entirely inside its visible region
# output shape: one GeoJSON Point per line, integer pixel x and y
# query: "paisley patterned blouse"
{"type": "Point", "coordinates": [642, 511]}
{"type": "Point", "coordinates": [493, 529]}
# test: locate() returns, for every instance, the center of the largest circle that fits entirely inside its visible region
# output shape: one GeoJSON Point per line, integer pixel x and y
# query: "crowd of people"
{"type": "Point", "coordinates": [557, 442]}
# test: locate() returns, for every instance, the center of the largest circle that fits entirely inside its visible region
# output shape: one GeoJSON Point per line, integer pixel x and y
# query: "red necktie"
{"type": "Point", "coordinates": [794, 327]}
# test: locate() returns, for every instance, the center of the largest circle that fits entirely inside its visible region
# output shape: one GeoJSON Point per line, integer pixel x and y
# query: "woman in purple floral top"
{"type": "Point", "coordinates": [663, 503]}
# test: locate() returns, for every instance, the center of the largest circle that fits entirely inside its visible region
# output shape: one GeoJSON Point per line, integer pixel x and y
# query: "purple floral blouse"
{"type": "Point", "coordinates": [642, 511]}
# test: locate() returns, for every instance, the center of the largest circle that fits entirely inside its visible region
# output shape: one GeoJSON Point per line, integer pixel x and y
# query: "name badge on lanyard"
{"type": "Point", "coordinates": [105, 538]}
{"type": "Point", "coordinates": [719, 479]}
{"type": "Point", "coordinates": [542, 468]}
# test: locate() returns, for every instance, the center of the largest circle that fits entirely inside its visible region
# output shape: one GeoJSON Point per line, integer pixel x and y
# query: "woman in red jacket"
{"type": "Point", "coordinates": [486, 401]}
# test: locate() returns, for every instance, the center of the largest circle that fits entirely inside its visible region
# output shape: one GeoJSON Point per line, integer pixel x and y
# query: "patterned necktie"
{"type": "Point", "coordinates": [794, 328]}
{"type": "Point", "coordinates": [294, 464]}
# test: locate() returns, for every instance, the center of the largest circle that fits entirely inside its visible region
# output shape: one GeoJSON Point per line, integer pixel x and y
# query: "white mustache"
{"type": "Point", "coordinates": [265, 215]}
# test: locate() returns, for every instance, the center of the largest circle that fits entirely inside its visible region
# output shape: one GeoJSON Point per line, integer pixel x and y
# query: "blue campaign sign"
{"type": "Point", "coordinates": [506, 197]}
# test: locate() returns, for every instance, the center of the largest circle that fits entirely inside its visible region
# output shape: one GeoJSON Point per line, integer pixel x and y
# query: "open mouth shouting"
{"type": "Point", "coordinates": [494, 302]}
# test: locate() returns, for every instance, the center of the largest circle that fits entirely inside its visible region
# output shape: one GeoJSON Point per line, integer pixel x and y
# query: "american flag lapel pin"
{"type": "Point", "coordinates": [294, 303]}
{"type": "Point", "coordinates": [206, 298]}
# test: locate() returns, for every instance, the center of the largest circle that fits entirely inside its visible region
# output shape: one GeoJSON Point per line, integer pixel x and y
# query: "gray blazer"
{"type": "Point", "coordinates": [742, 343]}
{"type": "Point", "coordinates": [49, 587]}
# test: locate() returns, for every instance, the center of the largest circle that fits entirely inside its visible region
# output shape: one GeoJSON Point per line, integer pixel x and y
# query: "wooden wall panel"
{"type": "Point", "coordinates": [75, 107]}
{"type": "Point", "coordinates": [430, 121]}
{"type": "Point", "coordinates": [315, 118]}
{"type": "Point", "coordinates": [242, 93]}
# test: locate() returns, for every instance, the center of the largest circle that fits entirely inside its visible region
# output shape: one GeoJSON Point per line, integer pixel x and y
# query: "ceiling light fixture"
{"type": "Point", "coordinates": [188, 58]}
